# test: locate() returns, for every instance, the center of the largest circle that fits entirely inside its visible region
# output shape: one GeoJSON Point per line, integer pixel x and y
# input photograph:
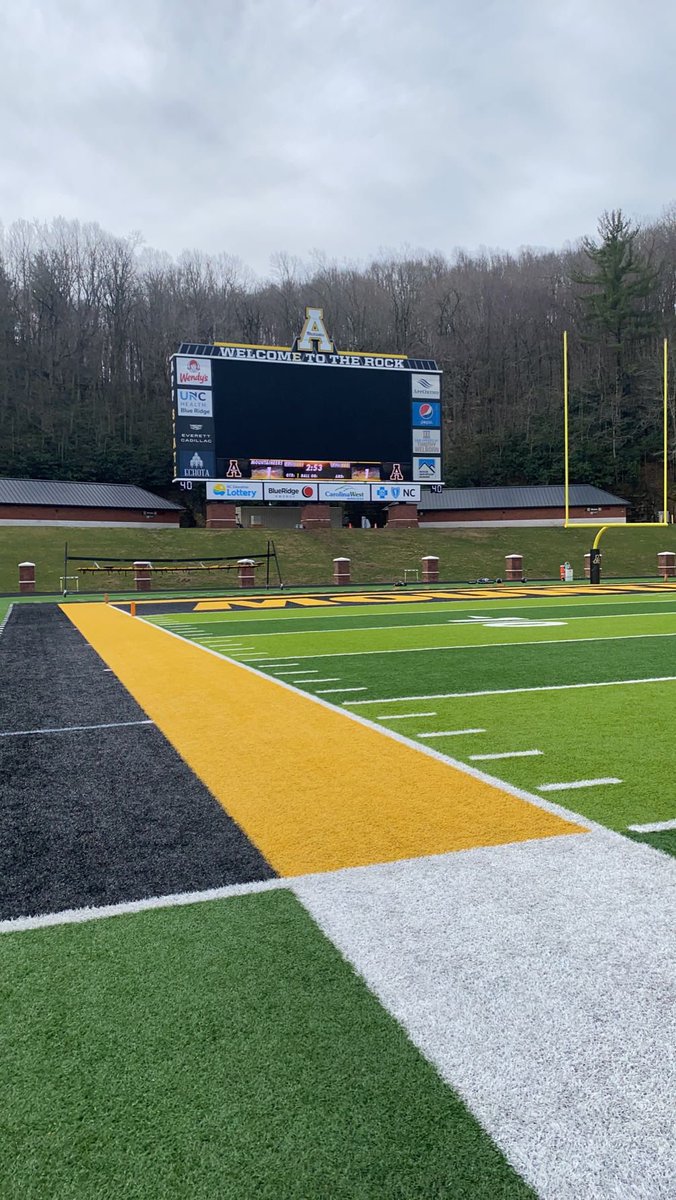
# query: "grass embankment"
{"type": "Point", "coordinates": [378, 555]}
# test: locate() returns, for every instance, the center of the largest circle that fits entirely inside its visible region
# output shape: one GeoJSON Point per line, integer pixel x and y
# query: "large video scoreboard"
{"type": "Point", "coordinates": [305, 412]}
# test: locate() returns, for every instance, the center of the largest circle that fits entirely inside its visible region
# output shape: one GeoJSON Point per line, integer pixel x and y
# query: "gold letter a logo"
{"type": "Point", "coordinates": [313, 336]}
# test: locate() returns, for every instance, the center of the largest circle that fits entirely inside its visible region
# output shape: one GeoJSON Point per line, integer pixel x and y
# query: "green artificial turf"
{"type": "Point", "coordinates": [221, 1051]}
{"type": "Point", "coordinates": [665, 840]}
{"type": "Point", "coordinates": [583, 734]}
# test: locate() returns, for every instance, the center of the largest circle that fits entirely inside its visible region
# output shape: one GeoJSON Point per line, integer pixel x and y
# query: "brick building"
{"type": "Point", "coordinates": [466, 507]}
{"type": "Point", "coordinates": [56, 502]}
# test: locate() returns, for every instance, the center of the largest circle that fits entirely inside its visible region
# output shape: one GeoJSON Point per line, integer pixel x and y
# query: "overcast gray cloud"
{"type": "Point", "coordinates": [345, 126]}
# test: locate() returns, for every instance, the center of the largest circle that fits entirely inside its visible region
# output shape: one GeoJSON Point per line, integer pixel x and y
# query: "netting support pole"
{"type": "Point", "coordinates": [279, 573]}
{"type": "Point", "coordinates": [65, 569]}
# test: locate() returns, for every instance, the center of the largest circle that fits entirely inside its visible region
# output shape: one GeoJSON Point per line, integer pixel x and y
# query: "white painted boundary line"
{"type": "Point", "coordinates": [6, 617]}
{"type": "Point", "coordinates": [654, 827]}
{"type": "Point", "coordinates": [505, 754]}
{"type": "Point", "coordinates": [73, 916]}
{"type": "Point", "coordinates": [74, 728]}
{"type": "Point", "coordinates": [564, 641]}
{"type": "Point", "coordinates": [464, 768]}
{"type": "Point", "coordinates": [449, 733]}
{"type": "Point", "coordinates": [401, 716]}
{"type": "Point", "coordinates": [295, 672]}
{"type": "Point", "coordinates": [550, 687]}
{"type": "Point", "coordinates": [438, 624]}
{"type": "Point", "coordinates": [576, 783]}
{"type": "Point", "coordinates": [328, 691]}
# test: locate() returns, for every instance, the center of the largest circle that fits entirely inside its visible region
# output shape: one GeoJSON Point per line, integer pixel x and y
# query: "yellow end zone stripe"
{"type": "Point", "coordinates": [313, 789]}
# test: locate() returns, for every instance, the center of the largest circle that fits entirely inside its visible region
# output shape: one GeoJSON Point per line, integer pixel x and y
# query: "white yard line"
{"type": "Point", "coordinates": [326, 679]}
{"type": "Point", "coordinates": [505, 754]}
{"type": "Point", "coordinates": [550, 687]}
{"type": "Point", "coordinates": [308, 672]}
{"type": "Point", "coordinates": [402, 716]}
{"type": "Point", "coordinates": [654, 827]}
{"type": "Point", "coordinates": [434, 624]}
{"type": "Point", "coordinates": [328, 691]}
{"type": "Point", "coordinates": [74, 728]}
{"type": "Point", "coordinates": [576, 783]}
{"type": "Point", "coordinates": [620, 637]}
{"type": "Point", "coordinates": [449, 733]}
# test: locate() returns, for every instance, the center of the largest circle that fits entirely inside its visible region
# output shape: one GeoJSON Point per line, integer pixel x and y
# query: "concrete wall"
{"type": "Point", "coordinates": [287, 516]}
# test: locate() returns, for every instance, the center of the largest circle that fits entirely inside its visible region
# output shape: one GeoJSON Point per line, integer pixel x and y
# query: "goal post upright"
{"type": "Point", "coordinates": [601, 529]}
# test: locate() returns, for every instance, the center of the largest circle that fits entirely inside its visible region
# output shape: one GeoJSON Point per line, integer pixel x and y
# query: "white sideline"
{"type": "Point", "coordinates": [74, 728]}
{"type": "Point", "coordinates": [653, 827]}
{"type": "Point", "coordinates": [576, 783]}
{"type": "Point", "coordinates": [505, 754]}
{"type": "Point", "coordinates": [75, 916]}
{"type": "Point", "coordinates": [549, 687]}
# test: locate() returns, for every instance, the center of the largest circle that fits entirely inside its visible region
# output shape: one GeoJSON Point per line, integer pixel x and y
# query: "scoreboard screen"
{"type": "Point", "coordinates": [263, 412]}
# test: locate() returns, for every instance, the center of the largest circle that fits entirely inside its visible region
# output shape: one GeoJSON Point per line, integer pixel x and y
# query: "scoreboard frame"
{"type": "Point", "coordinates": [380, 420]}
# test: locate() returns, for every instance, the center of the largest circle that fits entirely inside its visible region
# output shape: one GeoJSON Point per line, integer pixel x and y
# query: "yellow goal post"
{"type": "Point", "coordinates": [600, 528]}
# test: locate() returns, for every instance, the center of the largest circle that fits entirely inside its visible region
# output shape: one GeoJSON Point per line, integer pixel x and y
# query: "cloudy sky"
{"type": "Point", "coordinates": [344, 126]}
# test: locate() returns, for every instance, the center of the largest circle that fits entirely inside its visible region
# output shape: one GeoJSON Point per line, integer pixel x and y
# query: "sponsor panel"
{"type": "Point", "coordinates": [194, 433]}
{"type": "Point", "coordinates": [344, 491]}
{"type": "Point", "coordinates": [234, 489]}
{"type": "Point", "coordinates": [289, 490]}
{"type": "Point", "coordinates": [426, 413]}
{"type": "Point", "coordinates": [196, 464]}
{"type": "Point", "coordinates": [193, 372]}
{"type": "Point", "coordinates": [425, 387]}
{"type": "Point", "coordinates": [427, 441]}
{"type": "Point", "coordinates": [426, 468]}
{"type": "Point", "coordinates": [404, 493]}
{"type": "Point", "coordinates": [192, 402]}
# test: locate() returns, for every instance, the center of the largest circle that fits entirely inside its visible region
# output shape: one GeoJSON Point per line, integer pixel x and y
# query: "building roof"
{"type": "Point", "coordinates": [65, 494]}
{"type": "Point", "coordinates": [547, 496]}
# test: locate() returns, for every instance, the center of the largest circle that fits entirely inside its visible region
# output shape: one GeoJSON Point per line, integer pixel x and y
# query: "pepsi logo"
{"type": "Point", "coordinates": [308, 492]}
{"type": "Point", "coordinates": [426, 410]}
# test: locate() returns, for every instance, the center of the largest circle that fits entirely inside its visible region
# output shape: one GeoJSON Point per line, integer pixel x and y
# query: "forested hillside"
{"type": "Point", "coordinates": [87, 322]}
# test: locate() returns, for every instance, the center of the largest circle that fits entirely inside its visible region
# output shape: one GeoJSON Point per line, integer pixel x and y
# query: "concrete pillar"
{"type": "Point", "coordinates": [403, 516]}
{"type": "Point", "coordinates": [666, 564]}
{"type": "Point", "coordinates": [221, 515]}
{"type": "Point", "coordinates": [514, 566]}
{"type": "Point", "coordinates": [26, 577]}
{"type": "Point", "coordinates": [342, 571]}
{"type": "Point", "coordinates": [430, 569]}
{"type": "Point", "coordinates": [246, 572]}
{"type": "Point", "coordinates": [143, 576]}
{"type": "Point", "coordinates": [316, 516]}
